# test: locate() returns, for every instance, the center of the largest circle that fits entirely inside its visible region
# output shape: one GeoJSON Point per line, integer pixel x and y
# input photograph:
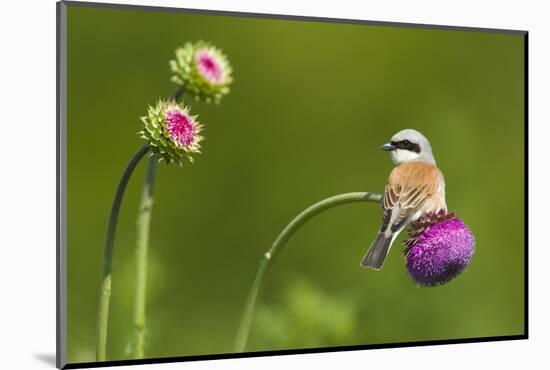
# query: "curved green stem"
{"type": "Point", "coordinates": [107, 266]}
{"type": "Point", "coordinates": [269, 257]}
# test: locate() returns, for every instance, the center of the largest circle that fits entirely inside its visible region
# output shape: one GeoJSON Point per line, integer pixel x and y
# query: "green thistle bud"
{"type": "Point", "coordinates": [203, 70]}
{"type": "Point", "coordinates": [172, 132]}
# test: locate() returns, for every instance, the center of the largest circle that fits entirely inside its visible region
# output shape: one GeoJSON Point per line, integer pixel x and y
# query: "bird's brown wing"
{"type": "Point", "coordinates": [409, 185]}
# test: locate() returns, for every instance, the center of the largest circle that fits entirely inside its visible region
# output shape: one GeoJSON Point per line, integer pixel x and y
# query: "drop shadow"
{"type": "Point", "coordinates": [47, 358]}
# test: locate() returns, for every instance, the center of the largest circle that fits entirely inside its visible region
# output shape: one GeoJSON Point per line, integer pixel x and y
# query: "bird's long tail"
{"type": "Point", "coordinates": [378, 251]}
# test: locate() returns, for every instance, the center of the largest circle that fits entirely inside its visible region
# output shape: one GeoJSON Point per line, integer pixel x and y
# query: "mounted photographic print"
{"type": "Point", "coordinates": [234, 184]}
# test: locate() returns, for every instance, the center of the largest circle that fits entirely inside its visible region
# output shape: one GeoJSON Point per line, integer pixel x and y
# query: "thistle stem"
{"type": "Point", "coordinates": [269, 257]}
{"type": "Point", "coordinates": [107, 266]}
{"type": "Point", "coordinates": [177, 94]}
{"type": "Point", "coordinates": [142, 247]}
{"type": "Point", "coordinates": [143, 227]}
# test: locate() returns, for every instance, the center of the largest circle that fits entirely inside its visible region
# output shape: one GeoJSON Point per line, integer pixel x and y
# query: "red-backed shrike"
{"type": "Point", "coordinates": [415, 187]}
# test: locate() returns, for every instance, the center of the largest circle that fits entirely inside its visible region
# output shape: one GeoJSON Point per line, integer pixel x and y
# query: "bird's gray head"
{"type": "Point", "coordinates": [409, 145]}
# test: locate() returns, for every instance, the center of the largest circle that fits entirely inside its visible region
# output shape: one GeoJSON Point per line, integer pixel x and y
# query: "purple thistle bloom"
{"type": "Point", "coordinates": [440, 251]}
{"type": "Point", "coordinates": [181, 127]}
{"type": "Point", "coordinates": [209, 65]}
{"type": "Point", "coordinates": [203, 70]}
{"type": "Point", "coordinates": [172, 132]}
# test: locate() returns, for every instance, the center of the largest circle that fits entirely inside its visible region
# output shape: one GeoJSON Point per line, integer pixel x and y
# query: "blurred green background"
{"type": "Point", "coordinates": [310, 106]}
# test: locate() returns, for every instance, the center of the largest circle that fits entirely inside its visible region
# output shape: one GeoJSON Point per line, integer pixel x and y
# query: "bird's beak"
{"type": "Point", "coordinates": [388, 147]}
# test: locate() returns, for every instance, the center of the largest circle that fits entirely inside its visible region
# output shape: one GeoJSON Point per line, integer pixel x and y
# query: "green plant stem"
{"type": "Point", "coordinates": [269, 257]}
{"type": "Point", "coordinates": [143, 227]}
{"type": "Point", "coordinates": [177, 94]}
{"type": "Point", "coordinates": [107, 266]}
{"type": "Point", "coordinates": [142, 247]}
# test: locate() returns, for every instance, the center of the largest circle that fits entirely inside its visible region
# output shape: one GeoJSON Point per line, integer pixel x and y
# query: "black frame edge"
{"type": "Point", "coordinates": [288, 17]}
{"type": "Point", "coordinates": [222, 356]}
{"type": "Point", "coordinates": [61, 268]}
{"type": "Point", "coordinates": [526, 183]}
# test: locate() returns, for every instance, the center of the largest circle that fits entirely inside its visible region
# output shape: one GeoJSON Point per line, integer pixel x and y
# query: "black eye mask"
{"type": "Point", "coordinates": [406, 145]}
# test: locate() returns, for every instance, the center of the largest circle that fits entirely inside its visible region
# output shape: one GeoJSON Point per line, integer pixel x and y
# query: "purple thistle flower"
{"type": "Point", "coordinates": [209, 65]}
{"type": "Point", "coordinates": [181, 127]}
{"type": "Point", "coordinates": [203, 70]}
{"type": "Point", "coordinates": [172, 132]}
{"type": "Point", "coordinates": [438, 251]}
